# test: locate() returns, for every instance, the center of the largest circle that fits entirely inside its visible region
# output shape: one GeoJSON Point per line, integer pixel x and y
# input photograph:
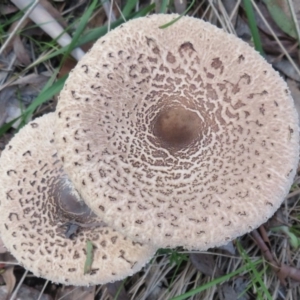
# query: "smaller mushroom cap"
{"type": "Point", "coordinates": [45, 224]}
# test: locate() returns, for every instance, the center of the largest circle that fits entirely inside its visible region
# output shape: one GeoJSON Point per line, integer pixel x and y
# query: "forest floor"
{"type": "Point", "coordinates": [263, 264]}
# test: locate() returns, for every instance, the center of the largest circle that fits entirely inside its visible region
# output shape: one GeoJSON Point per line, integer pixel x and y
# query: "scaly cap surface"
{"type": "Point", "coordinates": [37, 201]}
{"type": "Point", "coordinates": [178, 136]}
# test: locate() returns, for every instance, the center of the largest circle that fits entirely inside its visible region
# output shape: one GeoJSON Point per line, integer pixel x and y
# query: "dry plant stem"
{"type": "Point", "coordinates": [217, 15]}
{"type": "Point", "coordinates": [65, 12]}
{"type": "Point", "coordinates": [43, 19]}
{"type": "Point", "coordinates": [107, 5]}
{"type": "Point", "coordinates": [197, 8]}
{"type": "Point", "coordinates": [13, 296]}
{"type": "Point", "coordinates": [267, 254]}
{"type": "Point", "coordinates": [120, 11]}
{"type": "Point", "coordinates": [9, 69]}
{"type": "Point", "coordinates": [282, 270]}
{"type": "Point", "coordinates": [43, 289]}
{"type": "Point", "coordinates": [292, 194]}
{"type": "Point", "coordinates": [290, 49]}
{"type": "Point", "coordinates": [230, 27]}
{"type": "Point", "coordinates": [235, 9]}
{"type": "Point", "coordinates": [264, 236]}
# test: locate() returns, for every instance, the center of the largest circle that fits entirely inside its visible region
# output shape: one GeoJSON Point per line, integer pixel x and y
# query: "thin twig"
{"type": "Point", "coordinates": [282, 270]}
{"type": "Point", "coordinates": [292, 194]}
{"type": "Point", "coordinates": [13, 296]}
{"type": "Point", "coordinates": [43, 289]}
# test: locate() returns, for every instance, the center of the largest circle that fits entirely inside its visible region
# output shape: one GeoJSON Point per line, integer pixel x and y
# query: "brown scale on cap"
{"type": "Point", "coordinates": [46, 225]}
{"type": "Point", "coordinates": [178, 136]}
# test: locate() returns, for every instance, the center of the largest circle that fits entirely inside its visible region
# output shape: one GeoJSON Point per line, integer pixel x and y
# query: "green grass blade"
{"type": "Point", "coordinates": [176, 19]}
{"type": "Point", "coordinates": [96, 33]}
{"type": "Point", "coordinates": [82, 24]}
{"type": "Point", "coordinates": [143, 12]}
{"type": "Point", "coordinates": [89, 257]}
{"type": "Point", "coordinates": [93, 35]}
{"type": "Point", "coordinates": [129, 7]}
{"type": "Point", "coordinates": [253, 26]}
{"type": "Point", "coordinates": [285, 24]}
{"type": "Point", "coordinates": [255, 273]}
{"type": "Point", "coordinates": [164, 6]}
{"type": "Point", "coordinates": [216, 281]}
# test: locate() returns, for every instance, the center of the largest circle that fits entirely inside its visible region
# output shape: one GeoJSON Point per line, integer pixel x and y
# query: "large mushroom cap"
{"type": "Point", "coordinates": [40, 211]}
{"type": "Point", "coordinates": [178, 136]}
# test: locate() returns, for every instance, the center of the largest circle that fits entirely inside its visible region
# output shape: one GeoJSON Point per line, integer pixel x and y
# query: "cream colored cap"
{"type": "Point", "coordinates": [183, 136]}
{"type": "Point", "coordinates": [37, 201]}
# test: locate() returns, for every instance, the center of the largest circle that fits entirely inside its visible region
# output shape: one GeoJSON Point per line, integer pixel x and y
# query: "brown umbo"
{"type": "Point", "coordinates": [44, 222]}
{"type": "Point", "coordinates": [178, 136]}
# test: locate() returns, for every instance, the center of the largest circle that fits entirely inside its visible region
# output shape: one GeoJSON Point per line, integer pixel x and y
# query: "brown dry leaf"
{"type": "Point", "coordinates": [9, 46]}
{"type": "Point", "coordinates": [205, 263]}
{"type": "Point", "coordinates": [115, 288]}
{"type": "Point", "coordinates": [36, 81]}
{"type": "Point", "coordinates": [9, 279]}
{"type": "Point", "coordinates": [6, 9]}
{"type": "Point", "coordinates": [20, 51]}
{"type": "Point", "coordinates": [76, 293]}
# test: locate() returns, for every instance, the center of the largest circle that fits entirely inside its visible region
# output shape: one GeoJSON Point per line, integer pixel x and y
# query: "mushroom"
{"type": "Point", "coordinates": [178, 136]}
{"type": "Point", "coordinates": [45, 224]}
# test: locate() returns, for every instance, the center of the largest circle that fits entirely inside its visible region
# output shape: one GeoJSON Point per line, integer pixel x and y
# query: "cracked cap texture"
{"type": "Point", "coordinates": [37, 201]}
{"type": "Point", "coordinates": [183, 136]}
